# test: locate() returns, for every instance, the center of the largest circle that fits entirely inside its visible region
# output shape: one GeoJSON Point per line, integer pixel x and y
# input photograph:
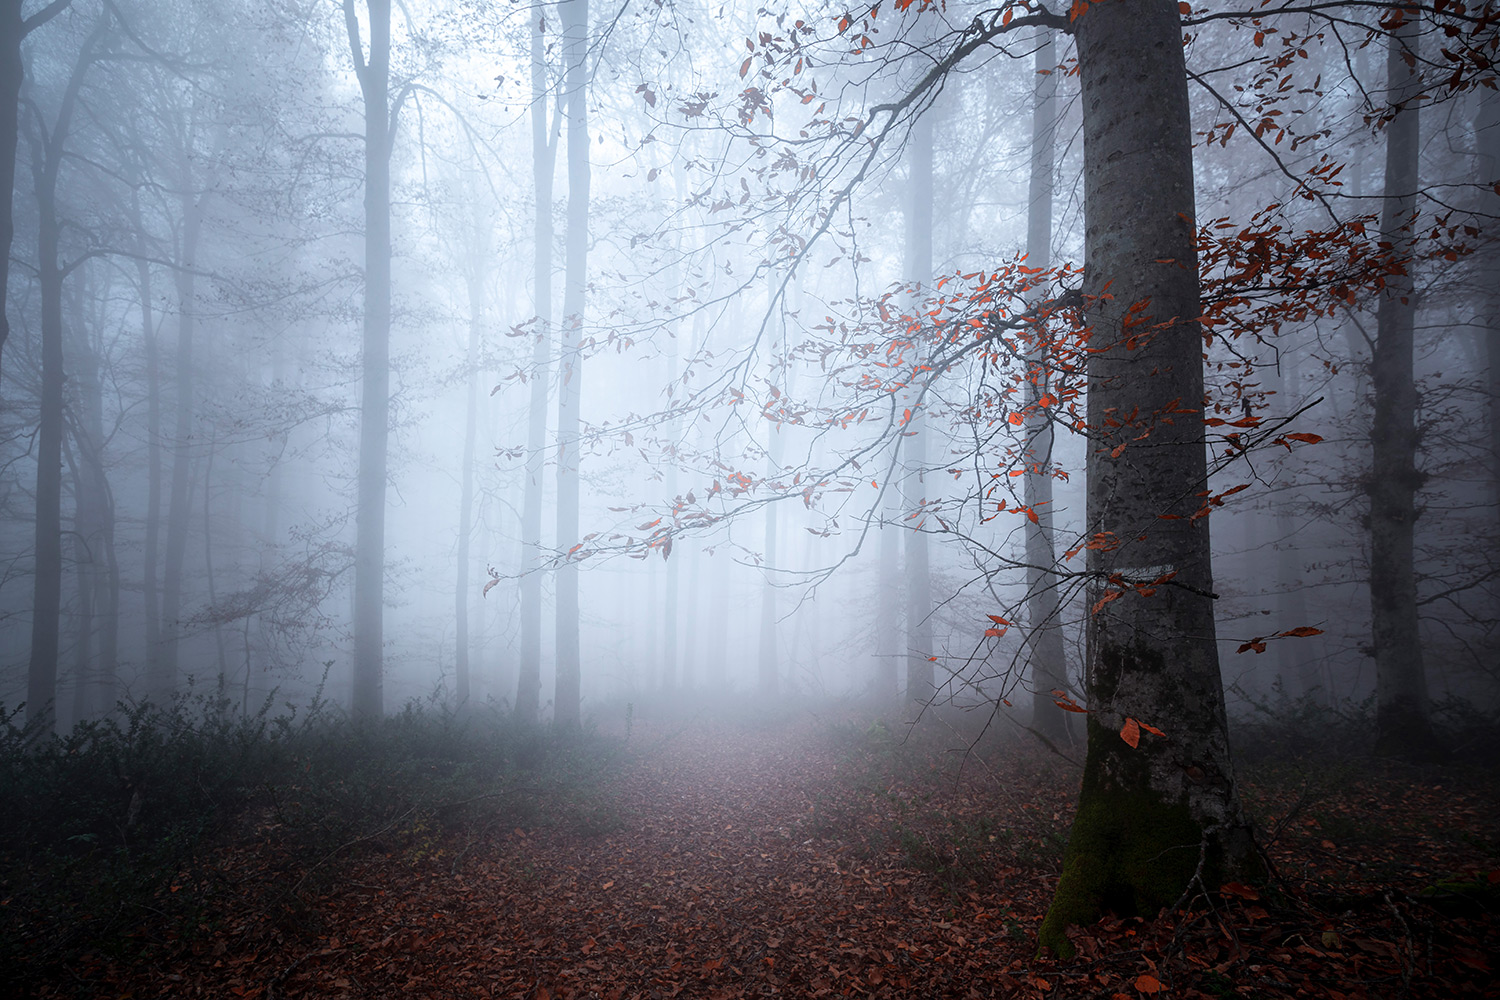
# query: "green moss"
{"type": "Point", "coordinates": [1129, 852]}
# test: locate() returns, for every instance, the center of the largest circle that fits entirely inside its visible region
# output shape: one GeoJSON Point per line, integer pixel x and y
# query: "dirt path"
{"type": "Point", "coordinates": [724, 861]}
{"type": "Point", "coordinates": [713, 886]}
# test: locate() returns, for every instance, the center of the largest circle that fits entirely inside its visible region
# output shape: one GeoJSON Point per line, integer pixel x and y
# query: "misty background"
{"type": "Point", "coordinates": [649, 280]}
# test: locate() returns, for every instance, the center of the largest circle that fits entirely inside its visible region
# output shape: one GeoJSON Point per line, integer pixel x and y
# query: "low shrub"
{"type": "Point", "coordinates": [151, 826]}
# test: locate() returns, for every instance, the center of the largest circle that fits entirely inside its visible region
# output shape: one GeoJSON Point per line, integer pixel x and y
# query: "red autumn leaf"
{"type": "Point", "coordinates": [1304, 437]}
{"type": "Point", "coordinates": [994, 633]}
{"type": "Point", "coordinates": [1302, 632]}
{"type": "Point", "coordinates": [1147, 983]}
{"type": "Point", "coordinates": [1239, 889]}
{"type": "Point", "coordinates": [1016, 419]}
{"type": "Point", "coordinates": [997, 620]}
{"type": "Point", "coordinates": [1131, 733]}
{"type": "Point", "coordinates": [1152, 729]}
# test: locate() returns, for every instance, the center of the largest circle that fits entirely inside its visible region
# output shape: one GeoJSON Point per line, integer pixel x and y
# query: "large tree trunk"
{"type": "Point", "coordinates": [375, 387]}
{"type": "Point", "coordinates": [1147, 815]}
{"type": "Point", "coordinates": [163, 667]}
{"type": "Point", "coordinates": [918, 264]}
{"type": "Point", "coordinates": [567, 693]}
{"type": "Point", "coordinates": [543, 164]}
{"type": "Point", "coordinates": [1401, 717]}
{"type": "Point", "coordinates": [1049, 671]}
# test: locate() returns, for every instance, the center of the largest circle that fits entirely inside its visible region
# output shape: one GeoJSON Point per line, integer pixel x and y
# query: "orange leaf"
{"type": "Point", "coordinates": [1148, 983]}
{"type": "Point", "coordinates": [994, 633]}
{"type": "Point", "coordinates": [1069, 706]}
{"type": "Point", "coordinates": [1184, 9]}
{"type": "Point", "coordinates": [997, 619]}
{"type": "Point", "coordinates": [1152, 729]}
{"type": "Point", "coordinates": [1302, 632]}
{"type": "Point", "coordinates": [1016, 419]}
{"type": "Point", "coordinates": [1304, 438]}
{"type": "Point", "coordinates": [1131, 732]}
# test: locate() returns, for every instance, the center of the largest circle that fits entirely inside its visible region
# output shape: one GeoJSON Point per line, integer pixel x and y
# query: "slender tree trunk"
{"type": "Point", "coordinates": [1487, 127]}
{"type": "Point", "coordinates": [543, 165]}
{"type": "Point", "coordinates": [1049, 670]}
{"type": "Point", "coordinates": [47, 155]}
{"type": "Point", "coordinates": [466, 499]}
{"type": "Point", "coordinates": [164, 667]}
{"type": "Point", "coordinates": [920, 687]}
{"type": "Point", "coordinates": [373, 71]}
{"type": "Point", "coordinates": [672, 599]}
{"type": "Point", "coordinates": [1295, 661]}
{"type": "Point", "coordinates": [1147, 814]}
{"type": "Point", "coordinates": [152, 554]}
{"type": "Point", "coordinates": [1401, 718]}
{"type": "Point", "coordinates": [12, 74]}
{"type": "Point", "coordinates": [568, 691]}
{"type": "Point", "coordinates": [888, 595]}
{"type": "Point", "coordinates": [769, 673]}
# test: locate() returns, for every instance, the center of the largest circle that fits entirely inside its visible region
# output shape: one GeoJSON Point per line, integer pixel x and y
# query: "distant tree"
{"type": "Point", "coordinates": [373, 69]}
{"type": "Point", "coordinates": [1404, 728]}
{"type": "Point", "coordinates": [566, 699]}
{"type": "Point", "coordinates": [48, 135]}
{"type": "Point", "coordinates": [14, 27]}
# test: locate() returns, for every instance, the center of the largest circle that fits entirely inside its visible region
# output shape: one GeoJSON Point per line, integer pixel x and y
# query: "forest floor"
{"type": "Point", "coordinates": [812, 857]}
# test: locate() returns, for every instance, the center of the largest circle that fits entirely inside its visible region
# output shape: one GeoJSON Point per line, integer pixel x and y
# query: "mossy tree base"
{"type": "Point", "coordinates": [1132, 850]}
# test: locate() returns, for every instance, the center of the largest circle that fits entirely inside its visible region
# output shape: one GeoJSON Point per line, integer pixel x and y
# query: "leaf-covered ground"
{"type": "Point", "coordinates": [810, 858]}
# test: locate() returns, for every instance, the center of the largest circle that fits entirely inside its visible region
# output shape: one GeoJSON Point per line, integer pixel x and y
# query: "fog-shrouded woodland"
{"type": "Point", "coordinates": [650, 427]}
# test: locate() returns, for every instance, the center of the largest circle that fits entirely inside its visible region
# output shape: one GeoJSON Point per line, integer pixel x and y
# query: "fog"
{"type": "Point", "coordinates": [762, 230]}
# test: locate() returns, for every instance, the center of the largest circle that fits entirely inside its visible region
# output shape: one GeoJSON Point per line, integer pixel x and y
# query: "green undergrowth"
{"type": "Point", "coordinates": [161, 823]}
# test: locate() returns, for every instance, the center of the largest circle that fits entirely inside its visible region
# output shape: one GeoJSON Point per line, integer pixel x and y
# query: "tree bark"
{"type": "Point", "coordinates": [1403, 728]}
{"type": "Point", "coordinates": [1147, 815]}
{"type": "Point", "coordinates": [461, 586]}
{"type": "Point", "coordinates": [13, 29]}
{"type": "Point", "coordinates": [152, 554]}
{"type": "Point", "coordinates": [543, 166]}
{"type": "Point", "coordinates": [567, 694]}
{"type": "Point", "coordinates": [47, 155]}
{"type": "Point", "coordinates": [375, 387]}
{"type": "Point", "coordinates": [1044, 628]}
{"type": "Point", "coordinates": [918, 265]}
{"type": "Point", "coordinates": [163, 667]}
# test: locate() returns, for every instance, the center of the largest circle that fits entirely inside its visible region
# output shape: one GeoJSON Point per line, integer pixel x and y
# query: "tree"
{"type": "Point", "coordinates": [1155, 812]}
{"type": "Point", "coordinates": [1402, 723]}
{"type": "Point", "coordinates": [13, 30]}
{"type": "Point", "coordinates": [543, 166]}
{"type": "Point", "coordinates": [373, 71]}
{"type": "Point", "coordinates": [1048, 668]}
{"type": "Point", "coordinates": [566, 698]}
{"type": "Point", "coordinates": [48, 143]}
{"type": "Point", "coordinates": [920, 686]}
